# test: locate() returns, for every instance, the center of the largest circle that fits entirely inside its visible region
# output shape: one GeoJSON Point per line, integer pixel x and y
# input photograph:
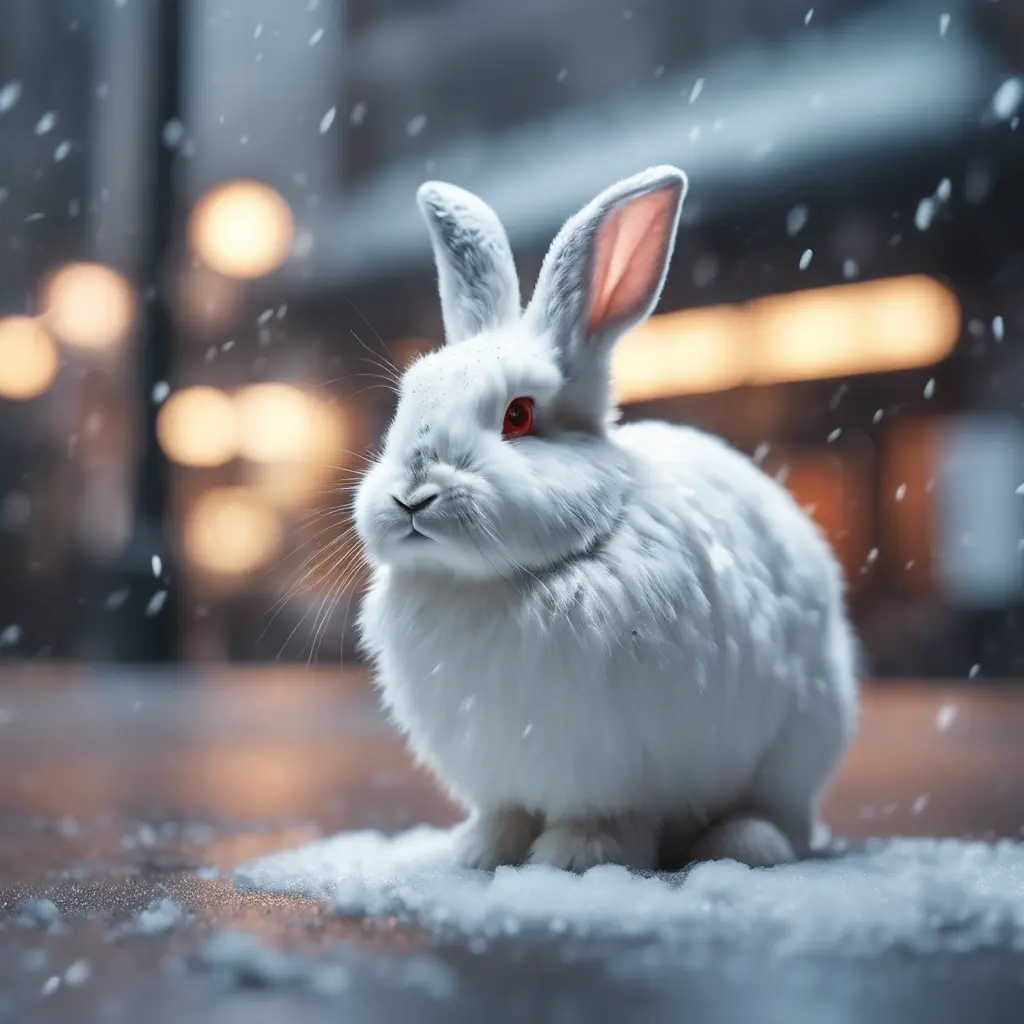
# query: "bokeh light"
{"type": "Point", "coordinates": [276, 423]}
{"type": "Point", "coordinates": [230, 531]}
{"type": "Point", "coordinates": [29, 360]}
{"type": "Point", "coordinates": [88, 305]}
{"type": "Point", "coordinates": [196, 427]}
{"type": "Point", "coordinates": [242, 229]}
{"type": "Point", "coordinates": [871, 327]}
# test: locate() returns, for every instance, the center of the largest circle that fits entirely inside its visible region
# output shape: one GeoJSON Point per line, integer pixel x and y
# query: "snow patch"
{"type": "Point", "coordinates": [159, 918]}
{"type": "Point", "coordinates": [920, 894]}
{"type": "Point", "coordinates": [37, 913]}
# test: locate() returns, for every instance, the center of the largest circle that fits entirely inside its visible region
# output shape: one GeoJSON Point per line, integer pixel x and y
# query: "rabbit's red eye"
{"type": "Point", "coordinates": [518, 418]}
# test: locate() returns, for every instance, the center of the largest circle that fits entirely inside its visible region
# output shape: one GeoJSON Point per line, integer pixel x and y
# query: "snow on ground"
{"type": "Point", "coordinates": [923, 895]}
{"type": "Point", "coordinates": [243, 960]}
{"type": "Point", "coordinates": [159, 918]}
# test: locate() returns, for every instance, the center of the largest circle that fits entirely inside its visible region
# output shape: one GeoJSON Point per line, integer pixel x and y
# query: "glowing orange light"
{"type": "Point", "coordinates": [88, 305]}
{"type": "Point", "coordinates": [242, 229]}
{"type": "Point", "coordinates": [230, 532]}
{"type": "Point", "coordinates": [276, 423]}
{"type": "Point", "coordinates": [28, 358]}
{"type": "Point", "coordinates": [868, 327]}
{"type": "Point", "coordinates": [196, 427]}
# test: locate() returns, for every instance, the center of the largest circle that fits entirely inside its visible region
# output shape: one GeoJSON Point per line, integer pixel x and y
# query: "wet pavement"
{"type": "Point", "coordinates": [126, 796]}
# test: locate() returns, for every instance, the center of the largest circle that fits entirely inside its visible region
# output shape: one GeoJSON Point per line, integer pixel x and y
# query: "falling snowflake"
{"type": "Point", "coordinates": [698, 88]}
{"type": "Point", "coordinates": [62, 151]}
{"type": "Point", "coordinates": [157, 565]}
{"type": "Point", "coordinates": [943, 24]}
{"type": "Point", "coordinates": [46, 123]}
{"type": "Point", "coordinates": [1007, 98]}
{"type": "Point", "coordinates": [316, 37]}
{"type": "Point", "coordinates": [944, 191]}
{"type": "Point", "coordinates": [796, 219]}
{"type": "Point", "coordinates": [9, 96]}
{"type": "Point", "coordinates": [834, 435]}
{"type": "Point", "coordinates": [173, 133]}
{"type": "Point", "coordinates": [805, 258]}
{"type": "Point", "coordinates": [161, 389]}
{"type": "Point", "coordinates": [327, 120]}
{"type": "Point", "coordinates": [837, 397]}
{"type": "Point", "coordinates": [997, 328]}
{"type": "Point", "coordinates": [78, 973]}
{"type": "Point", "coordinates": [925, 214]}
{"type": "Point", "coordinates": [945, 717]}
{"type": "Point", "coordinates": [116, 599]}
{"type": "Point", "coordinates": [929, 388]}
{"type": "Point", "coordinates": [851, 269]}
{"type": "Point", "coordinates": [357, 115]}
{"type": "Point", "coordinates": [808, 16]}
{"type": "Point", "coordinates": [901, 492]}
{"type": "Point", "coordinates": [416, 125]}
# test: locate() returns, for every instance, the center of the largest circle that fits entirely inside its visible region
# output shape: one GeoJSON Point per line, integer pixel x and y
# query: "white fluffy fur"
{"type": "Point", "coordinates": [619, 644]}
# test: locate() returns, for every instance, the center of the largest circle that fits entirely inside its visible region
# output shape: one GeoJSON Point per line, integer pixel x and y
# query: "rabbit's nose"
{"type": "Point", "coordinates": [412, 507]}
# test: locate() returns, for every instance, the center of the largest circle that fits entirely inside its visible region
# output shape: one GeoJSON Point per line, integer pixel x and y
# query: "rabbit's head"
{"type": "Point", "coordinates": [498, 461]}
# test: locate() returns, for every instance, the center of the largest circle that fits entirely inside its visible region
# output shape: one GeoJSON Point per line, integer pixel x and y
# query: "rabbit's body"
{"type": "Point", "coordinates": [695, 662]}
{"type": "Point", "coordinates": [615, 643]}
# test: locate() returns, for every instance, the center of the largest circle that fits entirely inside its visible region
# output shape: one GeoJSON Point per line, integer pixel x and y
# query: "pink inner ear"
{"type": "Point", "coordinates": [629, 257]}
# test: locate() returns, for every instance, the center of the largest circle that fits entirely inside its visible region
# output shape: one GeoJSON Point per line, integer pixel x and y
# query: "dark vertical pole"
{"type": "Point", "coordinates": [154, 635]}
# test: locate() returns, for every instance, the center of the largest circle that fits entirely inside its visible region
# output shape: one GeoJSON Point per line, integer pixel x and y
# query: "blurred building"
{"type": "Point", "coordinates": [207, 216]}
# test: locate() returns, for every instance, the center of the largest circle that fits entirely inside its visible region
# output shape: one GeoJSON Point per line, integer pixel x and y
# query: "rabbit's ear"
{"type": "Point", "coordinates": [476, 274]}
{"type": "Point", "coordinates": [605, 269]}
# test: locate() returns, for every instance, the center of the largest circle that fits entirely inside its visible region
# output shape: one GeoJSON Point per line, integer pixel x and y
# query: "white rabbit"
{"type": "Point", "coordinates": [615, 644]}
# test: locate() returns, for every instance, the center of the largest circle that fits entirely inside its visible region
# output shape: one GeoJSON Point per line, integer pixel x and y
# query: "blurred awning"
{"type": "Point", "coordinates": [848, 102]}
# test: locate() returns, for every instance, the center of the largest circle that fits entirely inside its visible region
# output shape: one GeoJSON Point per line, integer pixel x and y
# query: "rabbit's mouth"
{"type": "Point", "coordinates": [415, 537]}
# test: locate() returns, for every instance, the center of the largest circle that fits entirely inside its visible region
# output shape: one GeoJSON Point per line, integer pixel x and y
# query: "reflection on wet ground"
{"type": "Point", "coordinates": [123, 796]}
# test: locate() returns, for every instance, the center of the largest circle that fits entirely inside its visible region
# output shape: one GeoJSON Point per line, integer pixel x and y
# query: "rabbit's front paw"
{"type": "Point", "coordinates": [756, 842]}
{"type": "Point", "coordinates": [579, 846]}
{"type": "Point", "coordinates": [489, 839]}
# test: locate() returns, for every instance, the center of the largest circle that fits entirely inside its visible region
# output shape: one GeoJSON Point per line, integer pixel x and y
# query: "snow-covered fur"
{"type": "Point", "coordinates": [613, 643]}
